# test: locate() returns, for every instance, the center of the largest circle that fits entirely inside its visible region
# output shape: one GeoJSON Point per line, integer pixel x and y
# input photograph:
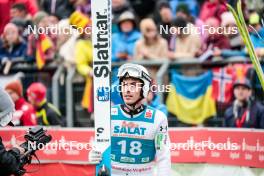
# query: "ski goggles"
{"type": "Point", "coordinates": [132, 71]}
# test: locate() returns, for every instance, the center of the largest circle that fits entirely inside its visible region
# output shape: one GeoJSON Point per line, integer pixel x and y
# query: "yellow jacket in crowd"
{"type": "Point", "coordinates": [84, 56]}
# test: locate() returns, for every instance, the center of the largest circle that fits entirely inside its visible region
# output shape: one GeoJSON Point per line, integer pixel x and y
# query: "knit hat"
{"type": "Point", "coordinates": [242, 82]}
{"type": "Point", "coordinates": [10, 27]}
{"type": "Point", "coordinates": [7, 107]}
{"type": "Point", "coordinates": [39, 16]}
{"type": "Point", "coordinates": [227, 18]}
{"type": "Point", "coordinates": [16, 87]}
{"type": "Point", "coordinates": [126, 16]}
{"type": "Point", "coordinates": [20, 22]}
{"type": "Point", "coordinates": [163, 4]}
{"type": "Point", "coordinates": [254, 18]}
{"type": "Point", "coordinates": [182, 7]}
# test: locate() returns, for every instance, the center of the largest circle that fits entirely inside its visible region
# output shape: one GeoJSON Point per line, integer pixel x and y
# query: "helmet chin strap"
{"type": "Point", "coordinates": [131, 109]}
{"type": "Point", "coordinates": [133, 105]}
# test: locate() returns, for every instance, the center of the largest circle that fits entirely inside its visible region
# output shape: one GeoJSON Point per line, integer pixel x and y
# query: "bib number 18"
{"type": "Point", "coordinates": [135, 147]}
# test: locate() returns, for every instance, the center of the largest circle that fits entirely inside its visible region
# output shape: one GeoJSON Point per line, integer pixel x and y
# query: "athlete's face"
{"type": "Point", "coordinates": [131, 90]}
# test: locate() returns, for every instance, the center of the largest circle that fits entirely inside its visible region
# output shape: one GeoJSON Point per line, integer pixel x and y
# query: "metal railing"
{"type": "Point", "coordinates": [69, 96]}
{"type": "Point", "coordinates": [55, 86]}
{"type": "Point", "coordinates": [56, 70]}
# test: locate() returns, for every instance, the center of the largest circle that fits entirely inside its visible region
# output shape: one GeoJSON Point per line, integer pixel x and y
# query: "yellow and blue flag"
{"type": "Point", "coordinates": [190, 98]}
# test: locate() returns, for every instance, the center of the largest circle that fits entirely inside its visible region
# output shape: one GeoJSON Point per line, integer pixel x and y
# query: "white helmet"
{"type": "Point", "coordinates": [136, 71]}
{"type": "Point", "coordinates": [7, 108]}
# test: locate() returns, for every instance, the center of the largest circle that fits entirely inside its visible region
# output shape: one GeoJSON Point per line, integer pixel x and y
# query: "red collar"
{"type": "Point", "coordinates": [240, 122]}
{"type": "Point", "coordinates": [19, 103]}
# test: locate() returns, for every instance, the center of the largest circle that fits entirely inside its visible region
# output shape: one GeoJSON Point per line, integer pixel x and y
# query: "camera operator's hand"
{"type": "Point", "coordinates": [7, 63]}
{"type": "Point", "coordinates": [21, 150]}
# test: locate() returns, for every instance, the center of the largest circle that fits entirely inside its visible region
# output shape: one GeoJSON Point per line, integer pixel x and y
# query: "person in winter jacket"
{"type": "Point", "coordinates": [118, 7]}
{"type": "Point", "coordinates": [83, 53]}
{"type": "Point", "coordinates": [25, 114]}
{"type": "Point", "coordinates": [123, 42]}
{"type": "Point", "coordinates": [257, 34]}
{"type": "Point", "coordinates": [9, 159]}
{"type": "Point", "coordinates": [11, 45]}
{"type": "Point", "coordinates": [47, 114]}
{"type": "Point", "coordinates": [244, 112]}
{"type": "Point", "coordinates": [5, 7]}
{"type": "Point", "coordinates": [151, 46]}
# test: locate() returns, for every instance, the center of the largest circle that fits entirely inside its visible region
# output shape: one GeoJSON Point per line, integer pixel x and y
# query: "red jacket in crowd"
{"type": "Point", "coordinates": [25, 114]}
{"type": "Point", "coordinates": [5, 6]}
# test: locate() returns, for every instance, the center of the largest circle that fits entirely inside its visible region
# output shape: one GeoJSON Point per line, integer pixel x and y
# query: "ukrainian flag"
{"type": "Point", "coordinates": [190, 98]}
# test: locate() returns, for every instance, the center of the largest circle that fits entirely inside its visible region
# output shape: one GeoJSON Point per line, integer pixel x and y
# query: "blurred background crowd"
{"type": "Point", "coordinates": [212, 79]}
